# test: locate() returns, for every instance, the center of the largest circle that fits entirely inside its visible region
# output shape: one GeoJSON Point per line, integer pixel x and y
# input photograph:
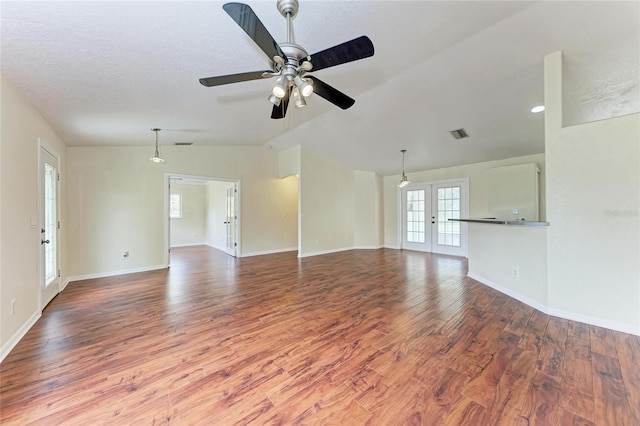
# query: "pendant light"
{"type": "Point", "coordinates": [404, 181]}
{"type": "Point", "coordinates": [156, 156]}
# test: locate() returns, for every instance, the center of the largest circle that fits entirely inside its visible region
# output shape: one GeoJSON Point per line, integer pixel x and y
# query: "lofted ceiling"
{"type": "Point", "coordinates": [105, 73]}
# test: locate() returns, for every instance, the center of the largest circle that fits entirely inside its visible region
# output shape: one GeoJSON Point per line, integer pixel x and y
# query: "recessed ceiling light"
{"type": "Point", "coordinates": [537, 109]}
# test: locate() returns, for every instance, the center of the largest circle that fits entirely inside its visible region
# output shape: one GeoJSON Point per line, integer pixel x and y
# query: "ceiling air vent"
{"type": "Point", "coordinates": [459, 134]}
{"type": "Point", "coordinates": [183, 143]}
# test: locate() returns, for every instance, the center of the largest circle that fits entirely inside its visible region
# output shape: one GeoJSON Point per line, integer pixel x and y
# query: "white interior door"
{"type": "Point", "coordinates": [231, 221]}
{"type": "Point", "coordinates": [49, 226]}
{"type": "Point", "coordinates": [416, 214]}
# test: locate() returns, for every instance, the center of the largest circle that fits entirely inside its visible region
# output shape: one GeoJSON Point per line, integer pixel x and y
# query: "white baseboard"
{"type": "Point", "coordinates": [367, 247]}
{"type": "Point", "coordinates": [64, 285]}
{"type": "Point", "coordinates": [318, 253]}
{"type": "Point", "coordinates": [188, 245]}
{"type": "Point", "coordinates": [261, 253]}
{"type": "Point", "coordinates": [221, 248]}
{"type": "Point", "coordinates": [18, 335]}
{"type": "Point", "coordinates": [392, 247]}
{"type": "Point", "coordinates": [504, 290]}
{"type": "Point", "coordinates": [612, 325]}
{"type": "Point", "coordinates": [113, 273]}
{"type": "Point", "coordinates": [586, 319]}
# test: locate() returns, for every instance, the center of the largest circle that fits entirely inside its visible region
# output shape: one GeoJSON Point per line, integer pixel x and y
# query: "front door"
{"type": "Point", "coordinates": [49, 225]}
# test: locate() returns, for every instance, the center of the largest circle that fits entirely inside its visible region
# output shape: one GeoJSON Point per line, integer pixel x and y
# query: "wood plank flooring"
{"type": "Point", "coordinates": [380, 337]}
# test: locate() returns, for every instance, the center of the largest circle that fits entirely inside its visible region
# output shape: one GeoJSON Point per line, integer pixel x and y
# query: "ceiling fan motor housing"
{"type": "Point", "coordinates": [294, 53]}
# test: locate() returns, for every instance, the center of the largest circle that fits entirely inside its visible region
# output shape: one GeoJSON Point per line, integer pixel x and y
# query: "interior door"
{"type": "Point", "coordinates": [49, 226]}
{"type": "Point", "coordinates": [416, 223]}
{"type": "Point", "coordinates": [231, 221]}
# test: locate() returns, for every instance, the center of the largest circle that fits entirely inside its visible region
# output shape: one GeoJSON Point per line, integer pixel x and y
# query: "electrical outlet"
{"type": "Point", "coordinates": [317, 241]}
{"type": "Point", "coordinates": [515, 211]}
{"type": "Point", "coordinates": [516, 273]}
{"type": "Point", "coordinates": [13, 307]}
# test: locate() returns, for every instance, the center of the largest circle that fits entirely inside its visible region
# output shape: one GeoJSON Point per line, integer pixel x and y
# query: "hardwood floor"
{"type": "Point", "coordinates": [381, 337]}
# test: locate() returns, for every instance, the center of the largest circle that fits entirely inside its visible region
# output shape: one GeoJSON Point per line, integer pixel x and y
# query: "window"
{"type": "Point", "coordinates": [175, 206]}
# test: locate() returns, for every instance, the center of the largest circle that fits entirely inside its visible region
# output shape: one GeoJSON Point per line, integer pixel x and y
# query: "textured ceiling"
{"type": "Point", "coordinates": [104, 73]}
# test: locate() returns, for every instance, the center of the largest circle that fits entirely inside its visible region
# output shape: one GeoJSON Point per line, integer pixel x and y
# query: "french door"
{"type": "Point", "coordinates": [49, 225]}
{"type": "Point", "coordinates": [417, 218]}
{"type": "Point", "coordinates": [426, 210]}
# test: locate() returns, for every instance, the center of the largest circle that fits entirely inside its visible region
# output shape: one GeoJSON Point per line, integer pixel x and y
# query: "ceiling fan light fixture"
{"type": "Point", "coordinates": [298, 99]}
{"type": "Point", "coordinates": [156, 156]}
{"type": "Point", "coordinates": [304, 86]}
{"type": "Point", "coordinates": [275, 100]}
{"type": "Point", "coordinates": [280, 87]}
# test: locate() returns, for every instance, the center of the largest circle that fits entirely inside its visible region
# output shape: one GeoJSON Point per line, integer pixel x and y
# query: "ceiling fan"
{"type": "Point", "coordinates": [290, 63]}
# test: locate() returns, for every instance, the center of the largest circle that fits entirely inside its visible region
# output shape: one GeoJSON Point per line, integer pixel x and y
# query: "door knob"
{"type": "Point", "coordinates": [44, 241]}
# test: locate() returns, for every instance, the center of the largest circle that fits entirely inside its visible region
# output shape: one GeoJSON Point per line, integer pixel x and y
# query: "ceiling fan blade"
{"type": "Point", "coordinates": [232, 78]}
{"type": "Point", "coordinates": [331, 94]}
{"type": "Point", "coordinates": [358, 48]}
{"type": "Point", "coordinates": [247, 19]}
{"type": "Point", "coordinates": [279, 111]}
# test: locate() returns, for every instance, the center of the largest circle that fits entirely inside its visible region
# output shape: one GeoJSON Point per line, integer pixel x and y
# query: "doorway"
{"type": "Point", "coordinates": [201, 210]}
{"type": "Point", "coordinates": [425, 210]}
{"type": "Point", "coordinates": [49, 254]}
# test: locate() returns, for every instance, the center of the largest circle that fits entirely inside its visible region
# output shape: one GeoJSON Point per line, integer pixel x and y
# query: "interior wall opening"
{"type": "Point", "coordinates": [202, 210]}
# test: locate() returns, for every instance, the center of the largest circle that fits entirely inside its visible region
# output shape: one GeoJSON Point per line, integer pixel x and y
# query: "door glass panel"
{"type": "Point", "coordinates": [448, 208]}
{"type": "Point", "coordinates": [416, 216]}
{"type": "Point", "coordinates": [49, 234]}
{"type": "Point", "coordinates": [230, 219]}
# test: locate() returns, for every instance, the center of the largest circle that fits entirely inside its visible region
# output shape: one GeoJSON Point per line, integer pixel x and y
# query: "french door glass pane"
{"type": "Point", "coordinates": [49, 223]}
{"type": "Point", "coordinates": [416, 216]}
{"type": "Point", "coordinates": [448, 208]}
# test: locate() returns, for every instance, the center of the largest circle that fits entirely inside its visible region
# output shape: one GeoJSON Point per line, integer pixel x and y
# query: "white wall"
{"type": "Point", "coordinates": [116, 202]}
{"type": "Point", "coordinates": [512, 259]}
{"type": "Point", "coordinates": [368, 198]}
{"type": "Point", "coordinates": [289, 161]}
{"type": "Point", "coordinates": [216, 213]}
{"type": "Point", "coordinates": [190, 228]}
{"type": "Point", "coordinates": [478, 189]}
{"type": "Point", "coordinates": [593, 191]}
{"type": "Point", "coordinates": [514, 188]}
{"type": "Point", "coordinates": [326, 204]}
{"type": "Point", "coordinates": [21, 126]}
